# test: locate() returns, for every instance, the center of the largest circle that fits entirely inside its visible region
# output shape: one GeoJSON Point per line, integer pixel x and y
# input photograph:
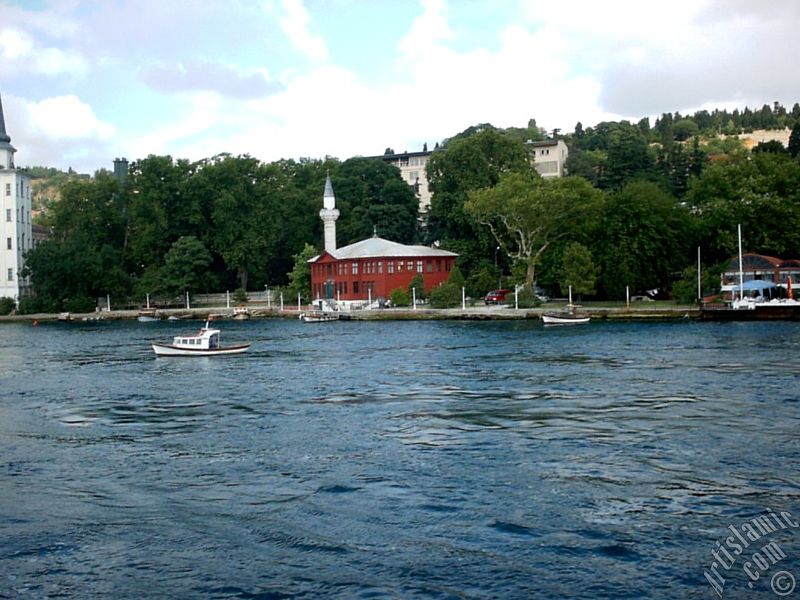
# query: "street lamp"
{"type": "Point", "coordinates": [500, 276]}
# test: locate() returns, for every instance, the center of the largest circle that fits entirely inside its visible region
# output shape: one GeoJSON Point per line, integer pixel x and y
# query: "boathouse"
{"type": "Point", "coordinates": [372, 268]}
{"type": "Point", "coordinates": [775, 272]}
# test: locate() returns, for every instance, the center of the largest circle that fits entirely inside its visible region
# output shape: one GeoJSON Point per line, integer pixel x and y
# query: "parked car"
{"type": "Point", "coordinates": [497, 296]}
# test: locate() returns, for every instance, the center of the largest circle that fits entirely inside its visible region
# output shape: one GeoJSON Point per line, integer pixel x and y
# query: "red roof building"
{"type": "Point", "coordinates": [374, 267]}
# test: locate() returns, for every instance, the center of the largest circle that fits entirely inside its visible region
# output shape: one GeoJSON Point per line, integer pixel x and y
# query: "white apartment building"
{"type": "Point", "coordinates": [549, 157]}
{"type": "Point", "coordinates": [16, 236]}
{"type": "Point", "coordinates": [412, 168]}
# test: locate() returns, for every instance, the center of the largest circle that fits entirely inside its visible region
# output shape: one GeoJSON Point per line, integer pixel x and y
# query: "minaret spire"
{"type": "Point", "coordinates": [3, 135]}
{"type": "Point", "coordinates": [329, 214]}
{"type": "Point", "coordinates": [6, 149]}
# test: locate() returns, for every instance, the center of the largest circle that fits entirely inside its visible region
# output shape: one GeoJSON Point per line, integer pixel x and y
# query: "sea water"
{"type": "Point", "coordinates": [429, 459]}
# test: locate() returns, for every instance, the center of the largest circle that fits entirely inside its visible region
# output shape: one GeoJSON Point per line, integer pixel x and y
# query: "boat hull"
{"type": "Point", "coordinates": [564, 320]}
{"type": "Point", "coordinates": [789, 312]}
{"type": "Point", "coordinates": [169, 350]}
{"type": "Point", "coordinates": [318, 317]}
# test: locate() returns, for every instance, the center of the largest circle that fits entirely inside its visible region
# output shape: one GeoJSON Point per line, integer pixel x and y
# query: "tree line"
{"type": "Point", "coordinates": [637, 203]}
{"type": "Point", "coordinates": [630, 215]}
{"type": "Point", "coordinates": [227, 222]}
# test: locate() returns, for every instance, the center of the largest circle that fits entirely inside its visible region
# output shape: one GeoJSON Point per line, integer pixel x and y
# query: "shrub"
{"type": "Point", "coordinates": [7, 305]}
{"type": "Point", "coordinates": [400, 297]}
{"type": "Point", "coordinates": [35, 304]}
{"type": "Point", "coordinates": [240, 296]}
{"type": "Point", "coordinates": [525, 298]}
{"type": "Point", "coordinates": [446, 295]}
{"type": "Point", "coordinates": [80, 304]}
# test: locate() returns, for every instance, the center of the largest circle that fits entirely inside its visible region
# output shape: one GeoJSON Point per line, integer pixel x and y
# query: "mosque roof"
{"type": "Point", "coordinates": [377, 247]}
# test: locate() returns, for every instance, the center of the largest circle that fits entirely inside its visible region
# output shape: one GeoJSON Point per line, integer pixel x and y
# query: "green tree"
{"type": "Point", "coordinates": [759, 191]}
{"type": "Point", "coordinates": [473, 160]}
{"type": "Point", "coordinates": [794, 140]}
{"type": "Point", "coordinates": [685, 289]}
{"type": "Point", "coordinates": [629, 157]}
{"type": "Point", "coordinates": [84, 256]}
{"type": "Point", "coordinates": [300, 276]}
{"type": "Point", "coordinates": [579, 270]}
{"type": "Point", "coordinates": [371, 195]}
{"type": "Point", "coordinates": [526, 213]}
{"type": "Point", "coordinates": [448, 294]}
{"type": "Point", "coordinates": [242, 211]}
{"type": "Point", "coordinates": [644, 238]}
{"type": "Point", "coordinates": [157, 213]}
{"type": "Point", "coordinates": [185, 267]}
{"type": "Point", "coordinates": [589, 164]}
{"type": "Point", "coordinates": [684, 129]}
{"type": "Point", "coordinates": [418, 284]}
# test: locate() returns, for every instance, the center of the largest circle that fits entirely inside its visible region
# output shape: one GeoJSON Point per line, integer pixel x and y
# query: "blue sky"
{"type": "Point", "coordinates": [85, 81]}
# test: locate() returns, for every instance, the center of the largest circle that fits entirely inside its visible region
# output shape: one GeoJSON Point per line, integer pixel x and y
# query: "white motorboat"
{"type": "Point", "coordinates": [204, 343]}
{"type": "Point", "coordinates": [318, 316]}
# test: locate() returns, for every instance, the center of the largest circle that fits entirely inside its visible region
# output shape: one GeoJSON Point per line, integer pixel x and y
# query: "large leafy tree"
{"type": "Point", "coordinates": [643, 240]}
{"type": "Point", "coordinates": [83, 258]}
{"type": "Point", "coordinates": [185, 267]}
{"type": "Point", "coordinates": [526, 213]}
{"type": "Point", "coordinates": [372, 196]}
{"type": "Point", "coordinates": [472, 161]}
{"type": "Point", "coordinates": [794, 140]}
{"type": "Point", "coordinates": [759, 191]}
{"type": "Point", "coordinates": [242, 211]}
{"type": "Point", "coordinates": [629, 157]}
{"type": "Point", "coordinates": [300, 275]}
{"type": "Point", "coordinates": [578, 270]}
{"type": "Point", "coordinates": [295, 191]}
{"type": "Point", "coordinates": [159, 212]}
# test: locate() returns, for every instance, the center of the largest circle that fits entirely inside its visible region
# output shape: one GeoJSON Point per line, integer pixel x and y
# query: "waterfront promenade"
{"type": "Point", "coordinates": [600, 311]}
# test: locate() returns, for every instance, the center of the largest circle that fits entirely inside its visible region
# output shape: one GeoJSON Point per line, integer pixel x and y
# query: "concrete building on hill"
{"type": "Point", "coordinates": [372, 268]}
{"type": "Point", "coordinates": [549, 158]}
{"type": "Point", "coordinates": [16, 234]}
{"type": "Point", "coordinates": [412, 169]}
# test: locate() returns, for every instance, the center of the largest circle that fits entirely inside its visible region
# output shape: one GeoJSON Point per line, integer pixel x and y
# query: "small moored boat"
{"type": "Point", "coordinates": [204, 343]}
{"type": "Point", "coordinates": [319, 316]}
{"type": "Point", "coordinates": [148, 315]}
{"type": "Point", "coordinates": [568, 315]}
{"type": "Point", "coordinates": [240, 313]}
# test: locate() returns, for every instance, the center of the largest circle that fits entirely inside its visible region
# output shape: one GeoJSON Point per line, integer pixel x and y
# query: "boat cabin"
{"type": "Point", "coordinates": [206, 339]}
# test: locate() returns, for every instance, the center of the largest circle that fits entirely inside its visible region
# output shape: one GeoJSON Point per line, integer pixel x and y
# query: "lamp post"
{"type": "Point", "coordinates": [500, 276]}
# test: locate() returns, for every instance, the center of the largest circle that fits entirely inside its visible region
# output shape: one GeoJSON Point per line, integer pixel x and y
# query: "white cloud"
{"type": "Point", "coordinates": [295, 25]}
{"type": "Point", "coordinates": [576, 60]}
{"type": "Point", "coordinates": [66, 117]}
{"type": "Point", "coordinates": [186, 138]}
{"type": "Point", "coordinates": [15, 44]}
{"type": "Point", "coordinates": [59, 132]}
{"type": "Point", "coordinates": [20, 52]}
{"type": "Point", "coordinates": [428, 31]}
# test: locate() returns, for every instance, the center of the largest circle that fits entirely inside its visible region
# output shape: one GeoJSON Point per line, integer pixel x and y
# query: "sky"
{"type": "Point", "coordinates": [83, 82]}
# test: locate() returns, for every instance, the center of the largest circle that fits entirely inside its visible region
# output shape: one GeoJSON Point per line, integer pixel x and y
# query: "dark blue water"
{"type": "Point", "coordinates": [394, 459]}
